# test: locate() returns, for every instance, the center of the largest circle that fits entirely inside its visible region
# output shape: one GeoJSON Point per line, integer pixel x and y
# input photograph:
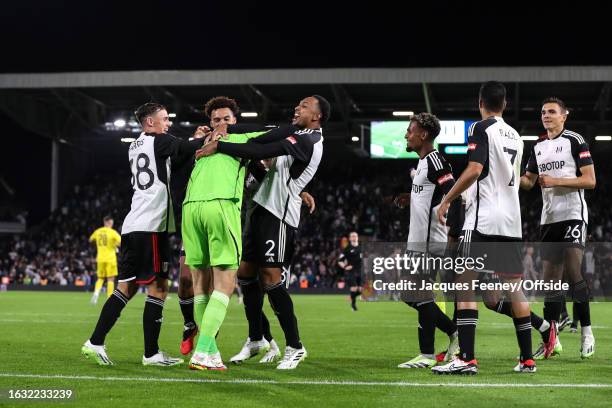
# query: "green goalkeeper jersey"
{"type": "Point", "coordinates": [219, 176]}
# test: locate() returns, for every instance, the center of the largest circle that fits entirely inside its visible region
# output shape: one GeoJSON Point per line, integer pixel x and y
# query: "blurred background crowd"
{"type": "Point", "coordinates": [355, 198]}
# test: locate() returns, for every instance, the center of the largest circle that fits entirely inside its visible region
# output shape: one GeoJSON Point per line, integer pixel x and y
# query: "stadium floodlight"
{"type": "Point", "coordinates": [403, 113]}
{"type": "Point", "coordinates": [355, 138]}
{"type": "Point", "coordinates": [191, 138]}
{"type": "Point", "coordinates": [249, 114]}
{"type": "Point", "coordinates": [185, 123]}
{"type": "Point", "coordinates": [119, 123]}
{"type": "Point", "coordinates": [530, 138]}
{"type": "Point", "coordinates": [127, 139]}
{"type": "Point", "coordinates": [602, 138]}
{"type": "Point", "coordinates": [172, 115]}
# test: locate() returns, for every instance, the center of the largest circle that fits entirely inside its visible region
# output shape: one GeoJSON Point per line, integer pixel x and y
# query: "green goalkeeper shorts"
{"type": "Point", "coordinates": [212, 235]}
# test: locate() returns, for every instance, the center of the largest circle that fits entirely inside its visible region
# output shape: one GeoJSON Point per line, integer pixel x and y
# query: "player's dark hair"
{"type": "Point", "coordinates": [107, 218]}
{"type": "Point", "coordinates": [429, 123]}
{"type": "Point", "coordinates": [493, 96]}
{"type": "Point", "coordinates": [324, 107]}
{"type": "Point", "coordinates": [147, 109]}
{"type": "Point", "coordinates": [220, 102]}
{"type": "Point", "coordinates": [554, 99]}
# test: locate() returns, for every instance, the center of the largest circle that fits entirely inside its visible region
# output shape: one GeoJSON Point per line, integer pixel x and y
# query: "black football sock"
{"type": "Point", "coordinates": [151, 324]}
{"type": "Point", "coordinates": [186, 305]}
{"type": "Point", "coordinates": [283, 307]}
{"type": "Point", "coordinates": [575, 314]}
{"type": "Point", "coordinates": [253, 298]}
{"type": "Point", "coordinates": [442, 321]}
{"type": "Point", "coordinates": [585, 314]}
{"type": "Point", "coordinates": [552, 309]}
{"type": "Point", "coordinates": [427, 326]}
{"type": "Point", "coordinates": [581, 296]}
{"type": "Point", "coordinates": [563, 310]}
{"type": "Point", "coordinates": [265, 326]}
{"type": "Point", "coordinates": [108, 317]}
{"type": "Point", "coordinates": [523, 335]}
{"type": "Point", "coordinates": [539, 324]}
{"type": "Point", "coordinates": [353, 298]}
{"type": "Point", "coordinates": [467, 319]}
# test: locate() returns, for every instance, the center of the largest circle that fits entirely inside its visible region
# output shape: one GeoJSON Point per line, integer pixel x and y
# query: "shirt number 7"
{"type": "Point", "coordinates": [512, 154]}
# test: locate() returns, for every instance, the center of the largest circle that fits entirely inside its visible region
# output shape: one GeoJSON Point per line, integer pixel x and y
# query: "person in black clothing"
{"type": "Point", "coordinates": [350, 261]}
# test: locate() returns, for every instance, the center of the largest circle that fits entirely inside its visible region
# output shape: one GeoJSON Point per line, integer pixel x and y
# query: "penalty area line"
{"type": "Point", "coordinates": [300, 382]}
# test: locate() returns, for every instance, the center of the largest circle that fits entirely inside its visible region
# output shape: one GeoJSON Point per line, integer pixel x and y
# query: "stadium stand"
{"type": "Point", "coordinates": [57, 252]}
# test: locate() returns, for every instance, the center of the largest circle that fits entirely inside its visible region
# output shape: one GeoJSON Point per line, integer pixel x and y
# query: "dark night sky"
{"type": "Point", "coordinates": [42, 36]}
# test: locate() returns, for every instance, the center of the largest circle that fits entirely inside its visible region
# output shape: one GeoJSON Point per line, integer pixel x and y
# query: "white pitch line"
{"type": "Point", "coordinates": [302, 382]}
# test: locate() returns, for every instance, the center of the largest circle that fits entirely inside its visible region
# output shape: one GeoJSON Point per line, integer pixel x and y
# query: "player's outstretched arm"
{"type": "Point", "coordinates": [289, 145]}
{"type": "Point", "coordinates": [261, 134]}
{"type": "Point", "coordinates": [240, 128]}
{"type": "Point", "coordinates": [256, 151]}
{"type": "Point", "coordinates": [272, 133]}
{"type": "Point", "coordinates": [253, 151]}
{"type": "Point", "coordinates": [276, 134]}
{"type": "Point", "coordinates": [166, 145]}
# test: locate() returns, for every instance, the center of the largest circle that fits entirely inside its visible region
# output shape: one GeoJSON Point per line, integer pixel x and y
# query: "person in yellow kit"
{"type": "Point", "coordinates": [107, 241]}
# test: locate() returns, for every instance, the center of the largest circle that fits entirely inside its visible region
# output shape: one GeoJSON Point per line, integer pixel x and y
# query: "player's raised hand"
{"type": "Point", "coordinates": [219, 132]}
{"type": "Point", "coordinates": [309, 201]}
{"type": "Point", "coordinates": [442, 210]}
{"type": "Point", "coordinates": [201, 131]}
{"type": "Point", "coordinates": [206, 150]}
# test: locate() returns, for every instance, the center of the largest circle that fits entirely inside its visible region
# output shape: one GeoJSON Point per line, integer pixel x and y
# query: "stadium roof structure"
{"type": "Point", "coordinates": [73, 106]}
{"type": "Point", "coordinates": [86, 115]}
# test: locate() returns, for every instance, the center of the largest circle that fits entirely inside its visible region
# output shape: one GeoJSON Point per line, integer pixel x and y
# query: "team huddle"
{"type": "Point", "coordinates": [480, 211]}
{"type": "Point", "coordinates": [211, 229]}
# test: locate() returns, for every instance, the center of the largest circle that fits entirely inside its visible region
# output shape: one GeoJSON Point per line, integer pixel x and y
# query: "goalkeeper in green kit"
{"type": "Point", "coordinates": [212, 236]}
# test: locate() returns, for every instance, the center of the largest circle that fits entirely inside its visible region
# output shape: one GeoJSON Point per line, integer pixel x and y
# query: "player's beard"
{"type": "Point", "coordinates": [409, 149]}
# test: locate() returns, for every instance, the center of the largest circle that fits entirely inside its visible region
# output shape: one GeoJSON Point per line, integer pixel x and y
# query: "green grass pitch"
{"type": "Point", "coordinates": [352, 359]}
